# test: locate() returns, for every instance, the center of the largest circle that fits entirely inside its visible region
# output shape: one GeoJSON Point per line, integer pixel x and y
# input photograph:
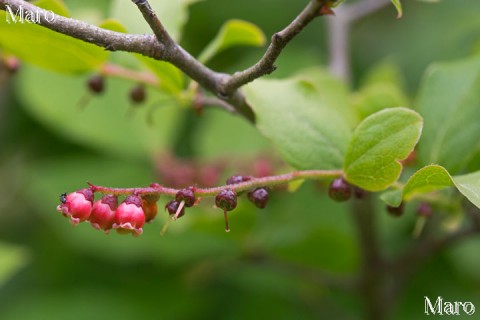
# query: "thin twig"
{"type": "Point", "coordinates": [269, 181]}
{"type": "Point", "coordinates": [155, 24]}
{"type": "Point", "coordinates": [266, 64]}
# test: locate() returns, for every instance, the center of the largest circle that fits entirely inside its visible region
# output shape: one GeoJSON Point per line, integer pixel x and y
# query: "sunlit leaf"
{"type": "Point", "coordinates": [233, 33]}
{"type": "Point", "coordinates": [433, 178]}
{"type": "Point", "coordinates": [170, 77]}
{"type": "Point", "coordinates": [377, 145]}
{"type": "Point", "coordinates": [425, 180]}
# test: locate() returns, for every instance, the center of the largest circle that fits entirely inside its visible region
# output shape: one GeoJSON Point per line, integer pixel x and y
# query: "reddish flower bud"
{"type": "Point", "coordinates": [129, 216]}
{"type": "Point", "coordinates": [172, 208]}
{"type": "Point", "coordinates": [187, 195]}
{"type": "Point", "coordinates": [259, 197]}
{"type": "Point", "coordinates": [103, 213]}
{"type": "Point", "coordinates": [238, 179]}
{"type": "Point", "coordinates": [77, 205]}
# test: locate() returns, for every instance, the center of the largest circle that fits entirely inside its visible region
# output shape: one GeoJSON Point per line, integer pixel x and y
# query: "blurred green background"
{"type": "Point", "coordinates": [272, 264]}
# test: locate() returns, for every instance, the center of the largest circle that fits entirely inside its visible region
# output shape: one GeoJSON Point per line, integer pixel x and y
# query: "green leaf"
{"type": "Point", "coordinates": [398, 6]}
{"type": "Point", "coordinates": [377, 145]}
{"type": "Point", "coordinates": [52, 50]}
{"type": "Point", "coordinates": [425, 180]}
{"type": "Point", "coordinates": [307, 130]}
{"type": "Point", "coordinates": [170, 77]}
{"type": "Point", "coordinates": [11, 259]}
{"type": "Point", "coordinates": [108, 123]}
{"type": "Point", "coordinates": [469, 186]}
{"type": "Point", "coordinates": [233, 33]}
{"type": "Point", "coordinates": [449, 102]}
{"type": "Point", "coordinates": [433, 178]}
{"type": "Point", "coordinates": [173, 15]}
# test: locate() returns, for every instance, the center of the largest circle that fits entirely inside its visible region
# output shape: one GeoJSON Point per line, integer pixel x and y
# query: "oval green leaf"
{"type": "Point", "coordinates": [377, 145]}
{"type": "Point", "coordinates": [303, 124]}
{"type": "Point", "coordinates": [425, 180]}
{"type": "Point", "coordinates": [433, 178]}
{"type": "Point", "coordinates": [233, 33]}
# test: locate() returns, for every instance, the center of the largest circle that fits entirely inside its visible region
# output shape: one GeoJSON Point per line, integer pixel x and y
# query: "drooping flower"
{"type": "Point", "coordinates": [103, 213]}
{"type": "Point", "coordinates": [129, 216]}
{"type": "Point", "coordinates": [77, 206]}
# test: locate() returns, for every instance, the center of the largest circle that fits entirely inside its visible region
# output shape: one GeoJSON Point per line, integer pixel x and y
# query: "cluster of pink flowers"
{"type": "Point", "coordinates": [105, 214]}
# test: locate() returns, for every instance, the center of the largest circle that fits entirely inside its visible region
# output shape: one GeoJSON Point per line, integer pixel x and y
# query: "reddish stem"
{"type": "Point", "coordinates": [243, 186]}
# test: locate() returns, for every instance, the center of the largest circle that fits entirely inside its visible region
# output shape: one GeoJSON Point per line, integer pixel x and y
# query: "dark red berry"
{"type": "Point", "coordinates": [259, 197]}
{"type": "Point", "coordinates": [424, 210]}
{"type": "Point", "coordinates": [172, 208]}
{"type": "Point", "coordinates": [96, 84]}
{"type": "Point", "coordinates": [238, 179]}
{"type": "Point", "coordinates": [340, 190]}
{"type": "Point", "coordinates": [186, 195]}
{"type": "Point", "coordinates": [226, 199]}
{"type": "Point", "coordinates": [395, 211]}
{"type": "Point", "coordinates": [137, 94]}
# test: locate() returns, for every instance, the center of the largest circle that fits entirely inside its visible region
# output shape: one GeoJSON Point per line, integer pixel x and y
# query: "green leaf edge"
{"type": "Point", "coordinates": [398, 6]}
{"type": "Point", "coordinates": [410, 192]}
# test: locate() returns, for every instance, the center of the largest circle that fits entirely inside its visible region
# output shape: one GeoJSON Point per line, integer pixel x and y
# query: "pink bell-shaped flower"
{"type": "Point", "coordinates": [77, 206]}
{"type": "Point", "coordinates": [129, 216]}
{"type": "Point", "coordinates": [103, 213]}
